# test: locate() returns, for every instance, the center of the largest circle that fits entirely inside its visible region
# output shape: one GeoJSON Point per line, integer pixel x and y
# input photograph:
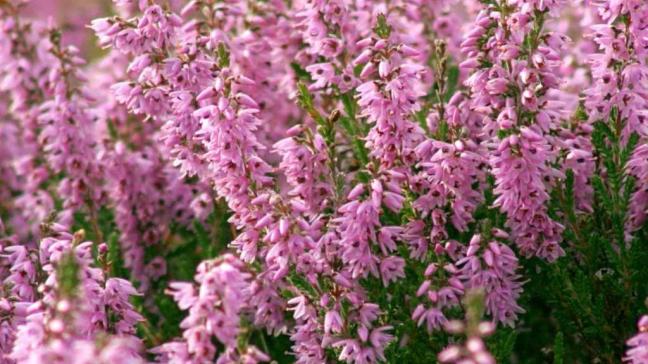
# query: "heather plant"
{"type": "Point", "coordinates": [324, 181]}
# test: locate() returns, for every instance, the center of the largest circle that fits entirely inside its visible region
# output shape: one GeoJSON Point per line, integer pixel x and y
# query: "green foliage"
{"type": "Point", "coordinates": [451, 82]}
{"type": "Point", "coordinates": [502, 343]}
{"type": "Point", "coordinates": [115, 258]}
{"type": "Point", "coordinates": [559, 348]}
{"type": "Point", "coordinates": [582, 308]}
{"type": "Point", "coordinates": [183, 252]}
{"type": "Point", "coordinates": [277, 347]}
{"type": "Point", "coordinates": [398, 300]}
{"type": "Point", "coordinates": [67, 274]}
{"type": "Point", "coordinates": [301, 73]}
{"type": "Point", "coordinates": [355, 131]}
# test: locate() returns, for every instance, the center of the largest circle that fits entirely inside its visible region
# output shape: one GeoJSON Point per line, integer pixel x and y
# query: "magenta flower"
{"type": "Point", "coordinates": [638, 351]}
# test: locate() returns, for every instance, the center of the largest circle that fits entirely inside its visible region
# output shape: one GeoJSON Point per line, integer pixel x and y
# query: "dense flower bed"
{"type": "Point", "coordinates": [325, 181]}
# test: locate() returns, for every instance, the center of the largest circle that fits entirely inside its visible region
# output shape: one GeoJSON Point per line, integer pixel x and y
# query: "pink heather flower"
{"type": "Point", "coordinates": [433, 317]}
{"type": "Point", "coordinates": [117, 293]}
{"type": "Point", "coordinates": [214, 307]}
{"type": "Point", "coordinates": [581, 161]}
{"type": "Point", "coordinates": [386, 100]}
{"type": "Point", "coordinates": [638, 344]}
{"type": "Point", "coordinates": [307, 342]}
{"type": "Point", "coordinates": [623, 88]}
{"type": "Point", "coordinates": [637, 168]}
{"type": "Point", "coordinates": [305, 166]}
{"type": "Point", "coordinates": [368, 349]}
{"type": "Point", "coordinates": [438, 294]}
{"type": "Point", "coordinates": [493, 268]}
{"type": "Point", "coordinates": [19, 291]}
{"type": "Point", "coordinates": [66, 133]}
{"type": "Point", "coordinates": [357, 225]}
{"type": "Point", "coordinates": [391, 269]}
{"type": "Point", "coordinates": [520, 168]}
{"type": "Point", "coordinates": [332, 322]}
{"type": "Point", "coordinates": [22, 272]}
{"type": "Point", "coordinates": [322, 73]}
{"type": "Point", "coordinates": [451, 173]}
{"type": "Point", "coordinates": [29, 79]}
{"type": "Point", "coordinates": [520, 161]}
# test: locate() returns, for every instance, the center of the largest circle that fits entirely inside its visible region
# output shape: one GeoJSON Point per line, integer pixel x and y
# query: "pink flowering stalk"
{"type": "Point", "coordinates": [326, 32]}
{"type": "Point", "coordinates": [574, 137]}
{"type": "Point", "coordinates": [619, 95]}
{"type": "Point", "coordinates": [386, 100]}
{"type": "Point", "coordinates": [368, 343]}
{"type": "Point", "coordinates": [441, 291]}
{"type": "Point", "coordinates": [451, 173]}
{"type": "Point", "coordinates": [194, 141]}
{"type": "Point", "coordinates": [225, 154]}
{"type": "Point", "coordinates": [451, 162]}
{"type": "Point", "coordinates": [215, 307]}
{"type": "Point", "coordinates": [144, 190]}
{"type": "Point", "coordinates": [581, 162]}
{"type": "Point", "coordinates": [146, 196]}
{"type": "Point", "coordinates": [25, 60]}
{"type": "Point", "coordinates": [18, 292]}
{"type": "Point", "coordinates": [305, 163]}
{"type": "Point", "coordinates": [67, 135]}
{"type": "Point", "coordinates": [516, 92]}
{"type": "Point", "coordinates": [264, 55]}
{"type": "Point", "coordinates": [493, 268]}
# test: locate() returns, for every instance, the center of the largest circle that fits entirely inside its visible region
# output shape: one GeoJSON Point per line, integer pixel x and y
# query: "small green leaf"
{"type": "Point", "coordinates": [301, 73]}
{"type": "Point", "coordinates": [559, 348]}
{"type": "Point", "coordinates": [67, 274]}
{"type": "Point", "coordinates": [350, 105]}
{"type": "Point", "coordinates": [223, 55]}
{"type": "Point", "coordinates": [382, 28]}
{"type": "Point", "coordinates": [114, 257]}
{"type": "Point", "coordinates": [204, 240]}
{"type": "Point", "coordinates": [451, 82]}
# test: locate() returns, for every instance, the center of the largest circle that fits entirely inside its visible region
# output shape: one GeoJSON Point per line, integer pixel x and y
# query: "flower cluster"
{"type": "Point", "coordinates": [76, 305]}
{"type": "Point", "coordinates": [214, 309]}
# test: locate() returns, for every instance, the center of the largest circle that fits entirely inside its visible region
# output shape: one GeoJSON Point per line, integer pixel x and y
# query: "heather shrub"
{"type": "Point", "coordinates": [324, 181]}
